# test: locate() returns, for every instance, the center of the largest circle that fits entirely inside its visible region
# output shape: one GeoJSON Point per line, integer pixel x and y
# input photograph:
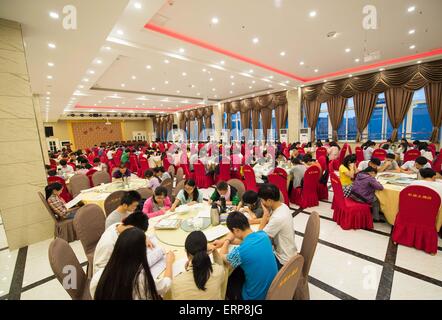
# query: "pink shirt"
{"type": "Point", "coordinates": [152, 209]}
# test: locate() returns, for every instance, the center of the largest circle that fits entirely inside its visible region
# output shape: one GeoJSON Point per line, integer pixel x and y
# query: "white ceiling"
{"type": "Point", "coordinates": [280, 25]}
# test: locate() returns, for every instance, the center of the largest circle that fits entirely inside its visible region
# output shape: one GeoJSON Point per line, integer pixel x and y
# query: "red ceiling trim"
{"type": "Point", "coordinates": [359, 69]}
{"type": "Point", "coordinates": [136, 109]}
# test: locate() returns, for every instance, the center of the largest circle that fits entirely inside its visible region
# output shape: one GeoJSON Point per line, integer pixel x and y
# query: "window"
{"type": "Point", "coordinates": [322, 125]}
{"type": "Point", "coordinates": [236, 126]}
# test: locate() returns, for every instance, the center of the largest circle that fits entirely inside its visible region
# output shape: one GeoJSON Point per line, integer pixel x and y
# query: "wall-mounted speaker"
{"type": "Point", "coordinates": [49, 132]}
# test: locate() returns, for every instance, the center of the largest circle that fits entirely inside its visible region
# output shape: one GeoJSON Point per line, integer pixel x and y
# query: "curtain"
{"type": "Point", "coordinates": [364, 104]}
{"type": "Point", "coordinates": [433, 95]}
{"type": "Point", "coordinates": [255, 122]}
{"type": "Point", "coordinates": [266, 120]}
{"type": "Point", "coordinates": [312, 109]}
{"type": "Point", "coordinates": [336, 108]}
{"type": "Point", "coordinates": [281, 113]}
{"type": "Point", "coordinates": [398, 102]}
{"type": "Point", "coordinates": [200, 127]}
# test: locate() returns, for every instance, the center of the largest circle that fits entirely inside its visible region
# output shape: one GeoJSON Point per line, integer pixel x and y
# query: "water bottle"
{"type": "Point", "coordinates": [223, 205]}
{"type": "Point", "coordinates": [214, 215]}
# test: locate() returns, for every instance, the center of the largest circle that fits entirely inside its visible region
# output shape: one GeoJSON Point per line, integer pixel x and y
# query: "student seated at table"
{"type": "Point", "coordinates": [414, 166]}
{"type": "Point", "coordinates": [57, 203]}
{"type": "Point", "coordinates": [202, 279]}
{"type": "Point", "coordinates": [333, 151]}
{"type": "Point", "coordinates": [128, 204]}
{"type": "Point", "coordinates": [277, 223]}
{"type": "Point", "coordinates": [127, 274]}
{"type": "Point", "coordinates": [125, 156]}
{"type": "Point", "coordinates": [308, 161]}
{"type": "Point", "coordinates": [296, 173]}
{"type": "Point", "coordinates": [121, 172]}
{"type": "Point", "coordinates": [389, 164]}
{"type": "Point", "coordinates": [375, 163]}
{"type": "Point", "coordinates": [158, 204]}
{"type": "Point", "coordinates": [161, 174]}
{"type": "Point", "coordinates": [347, 172]}
{"type": "Point", "coordinates": [226, 191]}
{"type": "Point", "coordinates": [368, 149]}
{"type": "Point", "coordinates": [65, 168]}
{"type": "Point", "coordinates": [363, 190]}
{"type": "Point", "coordinates": [98, 165]}
{"type": "Point", "coordinates": [253, 260]}
{"type": "Point", "coordinates": [190, 195]}
{"type": "Point", "coordinates": [251, 205]}
{"type": "Point", "coordinates": [423, 148]}
{"type": "Point", "coordinates": [153, 181]}
{"type": "Point", "coordinates": [428, 179]}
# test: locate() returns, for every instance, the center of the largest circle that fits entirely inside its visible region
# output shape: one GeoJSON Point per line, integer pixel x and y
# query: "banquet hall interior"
{"type": "Point", "coordinates": [336, 103]}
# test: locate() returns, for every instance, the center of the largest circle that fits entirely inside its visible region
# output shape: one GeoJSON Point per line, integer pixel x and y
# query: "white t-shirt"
{"type": "Point", "coordinates": [363, 165]}
{"type": "Point", "coordinates": [67, 169]}
{"type": "Point", "coordinates": [280, 228]}
{"type": "Point", "coordinates": [368, 153]}
{"type": "Point", "coordinates": [110, 154]}
{"type": "Point", "coordinates": [409, 165]}
{"type": "Point", "coordinates": [427, 154]}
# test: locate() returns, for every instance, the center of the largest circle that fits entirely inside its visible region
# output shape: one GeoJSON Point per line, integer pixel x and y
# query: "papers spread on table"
{"type": "Point", "coordinates": [156, 258]}
{"type": "Point", "coordinates": [74, 201]}
{"type": "Point", "coordinates": [166, 224]}
{"type": "Point", "coordinates": [216, 232]}
{"type": "Point", "coordinates": [179, 266]}
{"type": "Point", "coordinates": [203, 214]}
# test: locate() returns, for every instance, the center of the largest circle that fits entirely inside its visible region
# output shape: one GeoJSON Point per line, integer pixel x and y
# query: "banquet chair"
{"type": "Point", "coordinates": [347, 213]}
{"type": "Point", "coordinates": [100, 177]}
{"type": "Point", "coordinates": [89, 175]}
{"type": "Point", "coordinates": [179, 186]}
{"type": "Point", "coordinates": [280, 181]}
{"type": "Point", "coordinates": [359, 155]}
{"type": "Point", "coordinates": [381, 154]}
{"type": "Point", "coordinates": [133, 163]}
{"type": "Point", "coordinates": [415, 224]}
{"type": "Point", "coordinates": [61, 255]}
{"type": "Point", "coordinates": [201, 178]}
{"type": "Point", "coordinates": [113, 201]}
{"type": "Point", "coordinates": [224, 172]}
{"type": "Point", "coordinates": [144, 165]}
{"type": "Point", "coordinates": [308, 248]}
{"type": "Point", "coordinates": [168, 184]}
{"type": "Point", "coordinates": [89, 223]}
{"type": "Point", "coordinates": [280, 171]}
{"type": "Point", "coordinates": [323, 188]}
{"type": "Point", "coordinates": [179, 175]}
{"type": "Point", "coordinates": [166, 163]}
{"type": "Point", "coordinates": [437, 163]}
{"type": "Point", "coordinates": [65, 193]}
{"type": "Point", "coordinates": [307, 196]}
{"type": "Point", "coordinates": [249, 178]}
{"type": "Point", "coordinates": [342, 153]}
{"type": "Point", "coordinates": [79, 182]}
{"type": "Point", "coordinates": [321, 152]}
{"type": "Point", "coordinates": [73, 166]}
{"type": "Point", "coordinates": [411, 155]}
{"type": "Point", "coordinates": [63, 229]}
{"type": "Point", "coordinates": [286, 280]}
{"type": "Point", "coordinates": [187, 174]}
{"type": "Point", "coordinates": [238, 185]}
{"type": "Point", "coordinates": [145, 193]}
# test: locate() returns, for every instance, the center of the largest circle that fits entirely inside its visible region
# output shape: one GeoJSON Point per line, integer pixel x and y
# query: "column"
{"type": "Point", "coordinates": [25, 219]}
{"type": "Point", "coordinates": [218, 114]}
{"type": "Point", "coordinates": [294, 114]}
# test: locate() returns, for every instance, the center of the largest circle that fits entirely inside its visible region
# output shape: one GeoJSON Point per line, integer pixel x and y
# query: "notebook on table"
{"type": "Point", "coordinates": [216, 232]}
{"type": "Point", "coordinates": [168, 224]}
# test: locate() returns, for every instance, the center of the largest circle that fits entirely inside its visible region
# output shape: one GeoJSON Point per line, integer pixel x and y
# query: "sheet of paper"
{"type": "Point", "coordinates": [216, 232]}
{"type": "Point", "coordinates": [74, 201]}
{"type": "Point", "coordinates": [158, 268]}
{"type": "Point", "coordinates": [179, 266]}
{"type": "Point", "coordinates": [203, 214]}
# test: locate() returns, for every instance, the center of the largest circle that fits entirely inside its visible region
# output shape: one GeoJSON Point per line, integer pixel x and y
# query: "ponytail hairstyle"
{"type": "Point", "coordinates": [368, 144]}
{"type": "Point", "coordinates": [51, 187]}
{"type": "Point", "coordinates": [196, 245]}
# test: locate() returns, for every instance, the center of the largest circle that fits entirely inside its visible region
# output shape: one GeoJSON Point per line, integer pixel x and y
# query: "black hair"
{"type": "Point", "coordinates": [195, 193]}
{"type": "Point", "coordinates": [391, 156]}
{"type": "Point", "coordinates": [51, 187]}
{"type": "Point", "coordinates": [88, 166]}
{"type": "Point", "coordinates": [137, 219]}
{"type": "Point", "coordinates": [122, 165]}
{"type": "Point", "coordinates": [351, 158]}
{"type": "Point", "coordinates": [156, 169]}
{"type": "Point", "coordinates": [63, 162]}
{"type": "Point", "coordinates": [375, 161]}
{"type": "Point", "coordinates": [129, 254]}
{"type": "Point", "coordinates": [404, 146]}
{"type": "Point", "coordinates": [237, 220]}
{"type": "Point", "coordinates": [130, 197]}
{"type": "Point", "coordinates": [196, 245]}
{"type": "Point", "coordinates": [416, 142]}
{"type": "Point", "coordinates": [222, 185]}
{"type": "Point", "coordinates": [386, 146]}
{"type": "Point", "coordinates": [427, 173]}
{"type": "Point", "coordinates": [160, 191]}
{"type": "Point", "coordinates": [148, 173]}
{"type": "Point", "coordinates": [96, 160]}
{"type": "Point", "coordinates": [369, 143]}
{"type": "Point", "coordinates": [269, 191]}
{"type": "Point", "coordinates": [250, 197]}
{"type": "Point", "coordinates": [296, 161]}
{"type": "Point", "coordinates": [422, 146]}
{"type": "Point", "coordinates": [307, 158]}
{"type": "Point", "coordinates": [369, 170]}
{"type": "Point", "coordinates": [421, 160]}
{"type": "Point", "coordinates": [52, 173]}
{"type": "Point", "coordinates": [334, 144]}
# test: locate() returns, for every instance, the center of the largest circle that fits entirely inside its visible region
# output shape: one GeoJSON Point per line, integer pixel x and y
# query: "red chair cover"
{"type": "Point", "coordinates": [286, 153]}
{"type": "Point", "coordinates": [301, 150]}
{"type": "Point", "coordinates": [117, 157]}
{"type": "Point", "coordinates": [347, 213]}
{"type": "Point", "coordinates": [381, 154]}
{"type": "Point", "coordinates": [280, 181]}
{"type": "Point", "coordinates": [72, 165]}
{"type": "Point", "coordinates": [133, 163]}
{"type": "Point", "coordinates": [91, 158]}
{"type": "Point", "coordinates": [249, 178]}
{"type": "Point", "coordinates": [224, 172]}
{"type": "Point", "coordinates": [201, 179]}
{"type": "Point", "coordinates": [321, 152]}
{"type": "Point", "coordinates": [342, 153]}
{"type": "Point", "coordinates": [411, 155]}
{"type": "Point", "coordinates": [65, 193]}
{"type": "Point", "coordinates": [359, 155]}
{"type": "Point", "coordinates": [307, 196]}
{"type": "Point", "coordinates": [144, 165]}
{"type": "Point", "coordinates": [166, 163]}
{"type": "Point", "coordinates": [279, 171]}
{"type": "Point", "coordinates": [437, 163]}
{"type": "Point", "coordinates": [89, 175]}
{"type": "Point", "coordinates": [415, 224]}
{"type": "Point", "coordinates": [323, 188]}
{"type": "Point", "coordinates": [53, 164]}
{"type": "Point", "coordinates": [186, 171]}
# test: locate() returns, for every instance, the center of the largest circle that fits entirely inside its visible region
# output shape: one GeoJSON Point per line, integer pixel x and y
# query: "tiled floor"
{"type": "Point", "coordinates": [347, 265]}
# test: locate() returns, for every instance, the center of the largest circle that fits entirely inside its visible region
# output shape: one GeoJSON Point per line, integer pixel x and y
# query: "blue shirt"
{"type": "Point", "coordinates": [256, 258]}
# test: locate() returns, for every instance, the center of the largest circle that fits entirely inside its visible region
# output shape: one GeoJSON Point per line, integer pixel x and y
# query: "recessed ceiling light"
{"type": "Point", "coordinates": [148, 67]}
{"type": "Point", "coordinates": [107, 48]}
{"type": "Point", "coordinates": [412, 31]}
{"type": "Point", "coordinates": [282, 53]}
{"type": "Point", "coordinates": [255, 40]}
{"type": "Point", "coordinates": [231, 91]}
{"type": "Point", "coordinates": [184, 74]}
{"type": "Point", "coordinates": [52, 45]}
{"type": "Point", "coordinates": [215, 20]}
{"type": "Point", "coordinates": [419, 62]}
{"type": "Point", "coordinates": [287, 81]}
{"type": "Point", "coordinates": [91, 72]}
{"type": "Point", "coordinates": [301, 63]}
{"type": "Point", "coordinates": [86, 80]}
{"type": "Point", "coordinates": [347, 50]}
{"type": "Point", "coordinates": [166, 61]}
{"type": "Point", "coordinates": [81, 86]}
{"type": "Point", "coordinates": [325, 80]}
{"type": "Point", "coordinates": [251, 71]}
{"type": "Point", "coordinates": [198, 94]}
{"type": "Point", "coordinates": [48, 92]}
{"type": "Point", "coordinates": [120, 32]}
{"type": "Point", "coordinates": [222, 62]}
{"type": "Point", "coordinates": [253, 81]}
{"type": "Point", "coordinates": [204, 70]}
{"type": "Point", "coordinates": [51, 64]}
{"type": "Point", "coordinates": [270, 77]}
{"type": "Point", "coordinates": [215, 96]}
{"type": "Point", "coordinates": [54, 15]}
{"type": "Point", "coordinates": [211, 79]}
{"type": "Point", "coordinates": [98, 61]}
{"type": "Point", "coordinates": [166, 82]}
{"type": "Point", "coordinates": [350, 75]}
{"type": "Point", "coordinates": [213, 89]}
{"type": "Point", "coordinates": [153, 88]}
{"type": "Point", "coordinates": [178, 91]}
{"type": "Point", "coordinates": [192, 86]}
{"type": "Point", "coordinates": [123, 85]}
{"type": "Point", "coordinates": [232, 76]}
{"type": "Point", "coordinates": [133, 77]}
{"type": "Point", "coordinates": [411, 9]}
{"type": "Point", "coordinates": [412, 47]}
{"type": "Point", "coordinates": [49, 77]}
{"type": "Point", "coordinates": [312, 14]}
{"type": "Point", "coordinates": [316, 70]}
{"type": "Point", "coordinates": [181, 50]}
{"type": "Point", "coordinates": [233, 83]}
{"type": "Point", "coordinates": [137, 5]}
{"type": "Point", "coordinates": [381, 69]}
{"type": "Point", "coordinates": [250, 87]}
